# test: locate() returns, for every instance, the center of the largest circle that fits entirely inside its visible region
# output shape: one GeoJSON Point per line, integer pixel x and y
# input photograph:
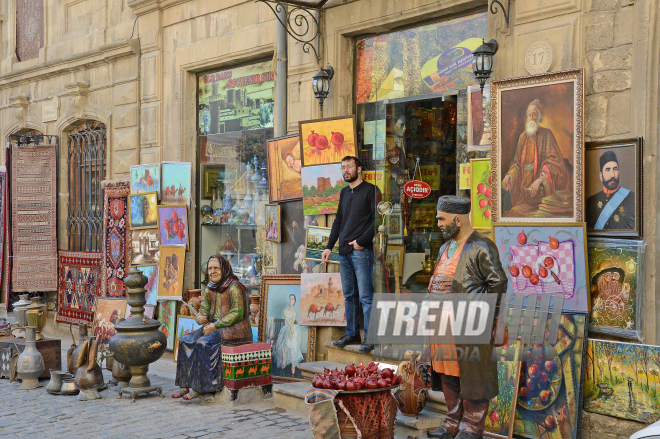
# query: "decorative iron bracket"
{"type": "Point", "coordinates": [30, 139]}
{"type": "Point", "coordinates": [300, 23]}
{"type": "Point", "coordinates": [506, 12]}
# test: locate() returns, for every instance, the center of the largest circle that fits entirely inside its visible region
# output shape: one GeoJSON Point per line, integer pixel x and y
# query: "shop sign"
{"type": "Point", "coordinates": [417, 189]}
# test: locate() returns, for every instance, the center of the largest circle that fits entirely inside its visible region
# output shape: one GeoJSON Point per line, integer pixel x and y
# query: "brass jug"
{"type": "Point", "coordinates": [89, 375]}
{"type": "Point", "coordinates": [19, 312]}
{"type": "Point", "coordinates": [73, 356]}
{"type": "Point", "coordinates": [36, 316]}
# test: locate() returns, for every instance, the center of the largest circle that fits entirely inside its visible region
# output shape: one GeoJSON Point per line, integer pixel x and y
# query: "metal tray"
{"type": "Point", "coordinates": [350, 392]}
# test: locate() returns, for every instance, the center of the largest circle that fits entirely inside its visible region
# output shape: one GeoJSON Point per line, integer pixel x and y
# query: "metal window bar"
{"type": "Point", "coordinates": [87, 158]}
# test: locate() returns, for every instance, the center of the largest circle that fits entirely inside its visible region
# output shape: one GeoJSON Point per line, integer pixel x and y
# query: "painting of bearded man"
{"type": "Point", "coordinates": [537, 147]}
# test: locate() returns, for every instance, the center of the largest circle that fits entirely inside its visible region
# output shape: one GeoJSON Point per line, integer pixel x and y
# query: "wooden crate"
{"type": "Point", "coordinates": [51, 350]}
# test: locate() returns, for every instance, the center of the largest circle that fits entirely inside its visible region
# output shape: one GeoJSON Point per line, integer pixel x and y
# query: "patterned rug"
{"type": "Point", "coordinates": [34, 218]}
{"type": "Point", "coordinates": [3, 221]}
{"type": "Point", "coordinates": [79, 284]}
{"type": "Point", "coordinates": [116, 252]}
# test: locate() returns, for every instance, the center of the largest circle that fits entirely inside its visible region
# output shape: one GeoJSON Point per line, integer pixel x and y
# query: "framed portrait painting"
{"type": "Point", "coordinates": [616, 280]}
{"type": "Point", "coordinates": [279, 325]}
{"type": "Point", "coordinates": [273, 224]}
{"type": "Point", "coordinates": [173, 225]}
{"type": "Point", "coordinates": [614, 194]}
{"type": "Point", "coordinates": [537, 148]}
{"type": "Point", "coordinates": [284, 168]}
{"type": "Point", "coordinates": [176, 182]}
{"type": "Point", "coordinates": [145, 178]}
{"type": "Point", "coordinates": [316, 241]}
{"type": "Point", "coordinates": [481, 194]}
{"type": "Point", "coordinates": [143, 209]}
{"type": "Point", "coordinates": [545, 258]}
{"type": "Point", "coordinates": [145, 245]}
{"type": "Point", "coordinates": [326, 141]}
{"type": "Point", "coordinates": [170, 272]}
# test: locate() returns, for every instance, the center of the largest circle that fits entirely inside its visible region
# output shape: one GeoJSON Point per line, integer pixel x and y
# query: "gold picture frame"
{"type": "Point", "coordinates": [396, 251]}
{"type": "Point", "coordinates": [273, 231]}
{"type": "Point", "coordinates": [145, 223]}
{"type": "Point", "coordinates": [314, 254]}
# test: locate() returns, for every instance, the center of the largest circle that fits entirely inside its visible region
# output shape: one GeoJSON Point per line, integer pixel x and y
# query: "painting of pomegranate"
{"type": "Point", "coordinates": [499, 422]}
{"type": "Point", "coordinates": [480, 193]}
{"type": "Point", "coordinates": [327, 141]}
{"type": "Point", "coordinates": [173, 225]}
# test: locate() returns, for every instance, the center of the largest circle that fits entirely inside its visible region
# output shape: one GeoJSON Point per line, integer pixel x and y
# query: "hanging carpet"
{"type": "Point", "coordinates": [80, 282]}
{"type": "Point", "coordinates": [3, 219]}
{"type": "Point", "coordinates": [34, 218]}
{"type": "Point", "coordinates": [116, 245]}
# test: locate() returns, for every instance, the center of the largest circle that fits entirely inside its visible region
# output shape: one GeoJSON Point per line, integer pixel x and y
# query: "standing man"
{"type": "Point", "coordinates": [354, 227]}
{"type": "Point", "coordinates": [468, 263]}
{"type": "Point", "coordinates": [613, 208]}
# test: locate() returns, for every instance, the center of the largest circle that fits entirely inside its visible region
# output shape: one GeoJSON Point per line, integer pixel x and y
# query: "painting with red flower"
{"type": "Point", "coordinates": [116, 252]}
{"type": "Point", "coordinates": [480, 193]}
{"type": "Point", "coordinates": [173, 225]}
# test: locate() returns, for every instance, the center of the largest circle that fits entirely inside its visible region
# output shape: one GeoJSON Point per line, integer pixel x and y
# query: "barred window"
{"type": "Point", "coordinates": [87, 168]}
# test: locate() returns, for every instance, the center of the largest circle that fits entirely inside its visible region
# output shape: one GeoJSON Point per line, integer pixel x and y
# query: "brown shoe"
{"type": "Point", "coordinates": [439, 433]}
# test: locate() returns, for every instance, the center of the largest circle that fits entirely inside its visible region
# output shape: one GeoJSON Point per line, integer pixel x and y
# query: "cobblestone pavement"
{"type": "Point", "coordinates": [37, 414]}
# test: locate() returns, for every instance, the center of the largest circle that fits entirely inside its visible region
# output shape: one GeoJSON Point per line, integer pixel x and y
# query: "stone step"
{"type": "Point", "coordinates": [291, 396]}
{"type": "Point", "coordinates": [348, 355]}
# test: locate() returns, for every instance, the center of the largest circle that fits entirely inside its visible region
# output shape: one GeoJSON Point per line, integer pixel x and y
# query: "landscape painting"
{"type": "Point", "coordinates": [184, 326]}
{"type": "Point", "coordinates": [619, 377]}
{"type": "Point", "coordinates": [321, 300]}
{"type": "Point", "coordinates": [321, 188]}
{"type": "Point", "coordinates": [145, 178]}
{"type": "Point", "coordinates": [316, 241]}
{"type": "Point", "coordinates": [144, 210]}
{"type": "Point", "coordinates": [545, 258]}
{"type": "Point", "coordinates": [326, 141]}
{"type": "Point", "coordinates": [549, 404]}
{"type": "Point", "coordinates": [177, 180]}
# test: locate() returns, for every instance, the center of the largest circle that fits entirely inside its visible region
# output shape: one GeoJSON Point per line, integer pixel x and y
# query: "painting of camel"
{"type": "Point", "coordinates": [321, 300]}
{"type": "Point", "coordinates": [176, 181]}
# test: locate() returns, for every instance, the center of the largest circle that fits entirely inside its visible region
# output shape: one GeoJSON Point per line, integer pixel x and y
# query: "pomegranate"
{"type": "Point", "coordinates": [481, 188]}
{"type": "Point", "coordinates": [386, 373]}
{"type": "Point", "coordinates": [167, 225]}
{"type": "Point", "coordinates": [175, 217]}
{"type": "Point", "coordinates": [526, 271]}
{"type": "Point", "coordinates": [543, 272]}
{"type": "Point", "coordinates": [490, 181]}
{"type": "Point", "coordinates": [550, 366]}
{"type": "Point", "coordinates": [337, 139]}
{"type": "Point", "coordinates": [522, 238]}
{"type": "Point", "coordinates": [549, 262]}
{"type": "Point", "coordinates": [494, 416]}
{"type": "Point", "coordinates": [322, 143]}
{"type": "Point", "coordinates": [534, 279]}
{"type": "Point", "coordinates": [382, 384]}
{"type": "Point", "coordinates": [350, 386]}
{"type": "Point", "coordinates": [488, 193]}
{"type": "Point", "coordinates": [554, 243]}
{"type": "Point", "coordinates": [350, 370]}
{"type": "Point", "coordinates": [544, 396]}
{"type": "Point", "coordinates": [371, 384]}
{"type": "Point", "coordinates": [311, 139]}
{"type": "Point", "coordinates": [533, 370]}
{"type": "Point", "coordinates": [342, 385]}
{"type": "Point", "coordinates": [490, 202]}
{"type": "Point", "coordinates": [327, 384]}
{"type": "Point", "coordinates": [482, 203]}
{"type": "Point", "coordinates": [359, 384]}
{"type": "Point", "coordinates": [514, 270]}
{"type": "Point", "coordinates": [175, 228]}
{"type": "Point", "coordinates": [181, 234]}
{"type": "Point", "coordinates": [523, 393]}
{"type": "Point", "coordinates": [487, 213]}
{"type": "Point", "coordinates": [549, 422]}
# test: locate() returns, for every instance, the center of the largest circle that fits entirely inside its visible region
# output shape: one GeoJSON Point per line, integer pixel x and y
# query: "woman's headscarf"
{"type": "Point", "coordinates": [228, 276]}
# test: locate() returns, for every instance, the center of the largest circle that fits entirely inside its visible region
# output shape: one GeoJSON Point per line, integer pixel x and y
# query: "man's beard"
{"type": "Point", "coordinates": [351, 177]}
{"type": "Point", "coordinates": [611, 184]}
{"type": "Point", "coordinates": [531, 127]}
{"type": "Point", "coordinates": [451, 230]}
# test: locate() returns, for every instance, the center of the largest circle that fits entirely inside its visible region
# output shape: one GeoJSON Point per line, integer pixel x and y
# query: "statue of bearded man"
{"type": "Point", "coordinates": [537, 169]}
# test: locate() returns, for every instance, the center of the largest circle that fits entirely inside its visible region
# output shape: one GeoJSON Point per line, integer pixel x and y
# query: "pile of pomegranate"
{"type": "Point", "coordinates": [543, 270]}
{"type": "Point", "coordinates": [354, 377]}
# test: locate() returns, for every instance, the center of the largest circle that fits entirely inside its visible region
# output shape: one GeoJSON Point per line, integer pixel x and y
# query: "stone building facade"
{"type": "Point", "coordinates": [133, 65]}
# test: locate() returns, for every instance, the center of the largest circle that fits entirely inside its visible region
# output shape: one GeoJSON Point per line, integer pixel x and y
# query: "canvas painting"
{"type": "Point", "coordinates": [616, 280]}
{"type": "Point", "coordinates": [480, 193]}
{"type": "Point", "coordinates": [395, 225]}
{"type": "Point", "coordinates": [167, 317]}
{"type": "Point", "coordinates": [284, 168]}
{"type": "Point", "coordinates": [618, 380]}
{"type": "Point", "coordinates": [108, 312]}
{"type": "Point", "coordinates": [499, 421]}
{"type": "Point", "coordinates": [280, 326]}
{"type": "Point", "coordinates": [213, 187]}
{"type": "Point", "coordinates": [144, 210]}
{"type": "Point", "coordinates": [145, 178]}
{"type": "Point", "coordinates": [326, 141]}
{"type": "Point", "coordinates": [321, 188]}
{"type": "Point", "coordinates": [177, 181]}
{"type": "Point", "coordinates": [173, 225]}
{"type": "Point", "coordinates": [395, 258]}
{"type": "Point", "coordinates": [270, 270]}
{"type": "Point", "coordinates": [273, 223]}
{"type": "Point", "coordinates": [549, 402]}
{"type": "Point", "coordinates": [316, 242]}
{"type": "Point", "coordinates": [151, 271]}
{"type": "Point", "coordinates": [548, 258]}
{"type": "Point", "coordinates": [293, 240]}
{"type": "Point", "coordinates": [146, 246]}
{"type": "Point", "coordinates": [170, 272]}
{"type": "Point", "coordinates": [537, 147]}
{"type": "Point", "coordinates": [479, 133]}
{"type": "Point", "coordinates": [321, 300]}
{"type": "Point", "coordinates": [423, 216]}
{"type": "Point", "coordinates": [184, 325]}
{"type": "Point", "coordinates": [148, 311]}
{"type": "Point", "coordinates": [613, 178]}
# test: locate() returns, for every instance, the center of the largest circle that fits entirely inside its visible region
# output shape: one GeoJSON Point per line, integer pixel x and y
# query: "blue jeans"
{"type": "Point", "coordinates": [357, 269]}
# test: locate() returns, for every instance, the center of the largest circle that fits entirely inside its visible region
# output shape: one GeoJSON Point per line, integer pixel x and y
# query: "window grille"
{"type": "Point", "coordinates": [87, 168]}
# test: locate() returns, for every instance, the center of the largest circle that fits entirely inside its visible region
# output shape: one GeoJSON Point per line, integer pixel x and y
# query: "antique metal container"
{"type": "Point", "coordinates": [138, 341]}
{"type": "Point", "coordinates": [55, 383]}
{"type": "Point", "coordinates": [69, 387]}
{"type": "Point", "coordinates": [89, 375]}
{"type": "Point", "coordinates": [19, 312]}
{"type": "Point", "coordinates": [121, 373]}
{"type": "Point", "coordinates": [36, 316]}
{"type": "Point", "coordinates": [30, 363]}
{"type": "Point", "coordinates": [73, 357]}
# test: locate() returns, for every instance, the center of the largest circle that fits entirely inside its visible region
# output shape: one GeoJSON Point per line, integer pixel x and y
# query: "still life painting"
{"type": "Point", "coordinates": [170, 272]}
{"type": "Point", "coordinates": [321, 300]}
{"type": "Point", "coordinates": [280, 325]}
{"type": "Point", "coordinates": [480, 193]}
{"type": "Point", "coordinates": [326, 141]}
{"type": "Point", "coordinates": [109, 311]}
{"type": "Point", "coordinates": [284, 168]}
{"type": "Point", "coordinates": [144, 210]}
{"type": "Point", "coordinates": [145, 178]}
{"type": "Point", "coordinates": [173, 225]}
{"type": "Point", "coordinates": [321, 188]}
{"type": "Point", "coordinates": [177, 181]}
{"type": "Point", "coordinates": [616, 278]}
{"type": "Point", "coordinates": [499, 421]}
{"type": "Point", "coordinates": [618, 381]}
{"type": "Point", "coordinates": [547, 258]}
{"type": "Point", "coordinates": [145, 244]}
{"type": "Point", "coordinates": [167, 318]}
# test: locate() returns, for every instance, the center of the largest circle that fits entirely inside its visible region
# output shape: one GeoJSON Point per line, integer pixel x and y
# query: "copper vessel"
{"type": "Point", "coordinates": [36, 316]}
{"type": "Point", "coordinates": [89, 375]}
{"type": "Point", "coordinates": [19, 312]}
{"type": "Point", "coordinates": [73, 356]}
{"type": "Point", "coordinates": [121, 373]}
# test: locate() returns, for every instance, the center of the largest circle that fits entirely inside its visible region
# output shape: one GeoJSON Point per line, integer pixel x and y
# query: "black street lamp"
{"type": "Point", "coordinates": [483, 61]}
{"type": "Point", "coordinates": [321, 84]}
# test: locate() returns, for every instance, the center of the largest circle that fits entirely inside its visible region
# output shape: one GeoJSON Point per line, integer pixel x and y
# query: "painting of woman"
{"type": "Point", "coordinates": [287, 348]}
{"type": "Point", "coordinates": [225, 319]}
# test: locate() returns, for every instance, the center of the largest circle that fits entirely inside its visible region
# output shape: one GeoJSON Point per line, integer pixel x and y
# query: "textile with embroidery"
{"type": "Point", "coordinates": [79, 283]}
{"type": "Point", "coordinates": [116, 252]}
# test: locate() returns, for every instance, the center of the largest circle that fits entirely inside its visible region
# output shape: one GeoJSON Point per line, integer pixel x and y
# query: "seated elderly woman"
{"type": "Point", "coordinates": [224, 314]}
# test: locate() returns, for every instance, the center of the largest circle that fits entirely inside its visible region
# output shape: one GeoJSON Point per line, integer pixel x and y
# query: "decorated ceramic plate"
{"type": "Point", "coordinates": [539, 399]}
